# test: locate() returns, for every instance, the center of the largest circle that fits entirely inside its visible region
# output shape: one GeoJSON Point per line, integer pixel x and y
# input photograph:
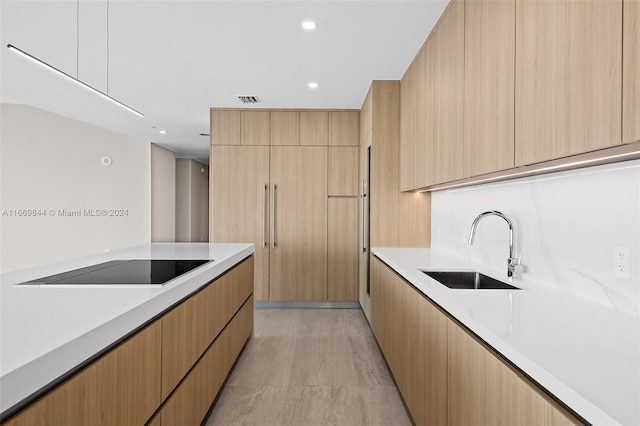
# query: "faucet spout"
{"type": "Point", "coordinates": [512, 262]}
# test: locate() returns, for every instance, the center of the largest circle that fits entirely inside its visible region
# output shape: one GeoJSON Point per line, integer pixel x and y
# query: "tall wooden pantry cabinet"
{"type": "Point", "coordinates": [286, 180]}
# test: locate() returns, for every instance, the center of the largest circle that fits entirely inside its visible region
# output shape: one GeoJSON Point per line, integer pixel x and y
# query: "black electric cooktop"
{"type": "Point", "coordinates": [123, 272]}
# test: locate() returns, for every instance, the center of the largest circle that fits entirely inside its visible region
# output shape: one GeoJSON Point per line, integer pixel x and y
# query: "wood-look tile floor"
{"type": "Point", "coordinates": [310, 367]}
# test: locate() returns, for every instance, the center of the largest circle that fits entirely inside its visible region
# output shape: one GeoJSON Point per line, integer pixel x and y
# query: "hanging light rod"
{"type": "Point", "coordinates": [75, 80]}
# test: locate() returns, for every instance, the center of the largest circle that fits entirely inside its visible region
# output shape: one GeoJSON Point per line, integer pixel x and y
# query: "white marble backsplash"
{"type": "Point", "coordinates": [567, 225]}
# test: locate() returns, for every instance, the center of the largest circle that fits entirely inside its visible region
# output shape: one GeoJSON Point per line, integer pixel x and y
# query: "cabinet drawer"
{"type": "Point", "coordinates": [191, 400]}
{"type": "Point", "coordinates": [189, 329]}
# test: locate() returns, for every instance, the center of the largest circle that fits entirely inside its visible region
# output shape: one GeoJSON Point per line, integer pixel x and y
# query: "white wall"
{"type": "Point", "coordinates": [567, 225]}
{"type": "Point", "coordinates": [163, 194]}
{"type": "Point", "coordinates": [53, 163]}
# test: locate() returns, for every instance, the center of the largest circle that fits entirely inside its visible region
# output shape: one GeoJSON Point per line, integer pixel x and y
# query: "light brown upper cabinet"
{"type": "Point", "coordinates": [344, 128]}
{"type": "Point", "coordinates": [423, 118]}
{"type": "Point", "coordinates": [416, 127]}
{"type": "Point", "coordinates": [314, 128]}
{"type": "Point", "coordinates": [568, 78]}
{"type": "Point", "coordinates": [489, 60]}
{"type": "Point", "coordinates": [225, 128]}
{"type": "Point", "coordinates": [448, 41]}
{"type": "Point", "coordinates": [254, 127]}
{"type": "Point", "coordinates": [298, 257]}
{"type": "Point", "coordinates": [631, 72]}
{"type": "Point", "coordinates": [407, 138]}
{"type": "Point", "coordinates": [285, 128]}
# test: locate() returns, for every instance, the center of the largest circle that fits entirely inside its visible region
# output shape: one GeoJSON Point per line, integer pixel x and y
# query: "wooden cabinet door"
{"type": "Point", "coordinates": [631, 72]}
{"type": "Point", "coordinates": [225, 127]}
{"type": "Point", "coordinates": [568, 78]}
{"type": "Point", "coordinates": [344, 128]}
{"type": "Point", "coordinates": [254, 127]}
{"type": "Point", "coordinates": [239, 210]}
{"type": "Point", "coordinates": [285, 128]}
{"type": "Point", "coordinates": [343, 170]}
{"type": "Point", "coordinates": [407, 136]}
{"type": "Point", "coordinates": [342, 259]}
{"type": "Point", "coordinates": [423, 118]}
{"type": "Point", "coordinates": [425, 358]}
{"type": "Point", "coordinates": [298, 255]}
{"type": "Point", "coordinates": [314, 128]}
{"type": "Point", "coordinates": [448, 42]}
{"type": "Point", "coordinates": [485, 391]}
{"type": "Point", "coordinates": [489, 34]}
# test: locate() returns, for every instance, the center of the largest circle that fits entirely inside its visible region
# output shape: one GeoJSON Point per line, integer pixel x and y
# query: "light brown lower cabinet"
{"type": "Point", "coordinates": [193, 346]}
{"type": "Point", "coordinates": [190, 402]}
{"type": "Point", "coordinates": [446, 375]}
{"type": "Point", "coordinates": [483, 390]}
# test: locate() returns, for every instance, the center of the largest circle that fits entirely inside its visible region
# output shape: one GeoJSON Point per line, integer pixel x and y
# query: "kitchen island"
{"type": "Point", "coordinates": [581, 357]}
{"type": "Point", "coordinates": [48, 335]}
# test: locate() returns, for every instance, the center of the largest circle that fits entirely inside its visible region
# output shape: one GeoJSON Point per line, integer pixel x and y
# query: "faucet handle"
{"type": "Point", "coordinates": [516, 266]}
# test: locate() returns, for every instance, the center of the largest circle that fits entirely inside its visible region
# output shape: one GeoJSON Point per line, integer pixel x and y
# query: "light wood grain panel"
{"type": "Point", "coordinates": [568, 78]}
{"type": "Point", "coordinates": [366, 116]}
{"type": "Point", "coordinates": [363, 227]}
{"type": "Point", "coordinates": [239, 209]}
{"type": "Point", "coordinates": [181, 350]}
{"type": "Point", "coordinates": [191, 400]}
{"type": "Point", "coordinates": [448, 42]}
{"type": "Point", "coordinates": [483, 390]}
{"type": "Point", "coordinates": [314, 128]}
{"type": "Point", "coordinates": [431, 368]}
{"type": "Point", "coordinates": [631, 72]}
{"type": "Point", "coordinates": [129, 379]}
{"type": "Point", "coordinates": [343, 170]}
{"type": "Point", "coordinates": [122, 387]}
{"type": "Point", "coordinates": [254, 127]}
{"type": "Point", "coordinates": [342, 275]}
{"type": "Point", "coordinates": [489, 61]}
{"type": "Point", "coordinates": [156, 420]}
{"type": "Point", "coordinates": [407, 137]}
{"type": "Point", "coordinates": [225, 127]}
{"type": "Point", "coordinates": [204, 315]}
{"type": "Point", "coordinates": [285, 127]}
{"type": "Point", "coordinates": [75, 402]}
{"type": "Point", "coordinates": [397, 219]}
{"type": "Point", "coordinates": [344, 128]}
{"type": "Point", "coordinates": [423, 118]}
{"type": "Point", "coordinates": [298, 262]}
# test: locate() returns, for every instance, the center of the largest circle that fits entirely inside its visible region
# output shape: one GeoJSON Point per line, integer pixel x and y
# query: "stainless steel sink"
{"type": "Point", "coordinates": [470, 280]}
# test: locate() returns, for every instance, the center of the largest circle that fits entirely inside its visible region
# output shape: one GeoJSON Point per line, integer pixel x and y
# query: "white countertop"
{"type": "Point", "coordinates": [46, 332]}
{"type": "Point", "coordinates": [585, 354]}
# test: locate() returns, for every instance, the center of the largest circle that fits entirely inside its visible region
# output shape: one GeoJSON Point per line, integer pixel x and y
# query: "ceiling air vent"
{"type": "Point", "coordinates": [249, 99]}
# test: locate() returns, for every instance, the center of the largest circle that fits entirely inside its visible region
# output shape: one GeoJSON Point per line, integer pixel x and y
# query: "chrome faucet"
{"type": "Point", "coordinates": [513, 264]}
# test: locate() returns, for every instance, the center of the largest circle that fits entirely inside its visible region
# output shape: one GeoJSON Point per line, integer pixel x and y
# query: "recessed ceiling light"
{"type": "Point", "coordinates": [309, 25]}
{"type": "Point", "coordinates": [313, 85]}
{"type": "Point", "coordinates": [163, 132]}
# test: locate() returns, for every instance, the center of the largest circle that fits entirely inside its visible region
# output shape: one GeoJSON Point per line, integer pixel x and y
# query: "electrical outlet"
{"type": "Point", "coordinates": [621, 262]}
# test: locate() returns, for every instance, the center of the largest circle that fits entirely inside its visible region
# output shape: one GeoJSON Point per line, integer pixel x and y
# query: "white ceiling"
{"type": "Point", "coordinates": [173, 60]}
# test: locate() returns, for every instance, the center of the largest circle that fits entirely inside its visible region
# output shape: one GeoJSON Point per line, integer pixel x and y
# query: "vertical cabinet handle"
{"type": "Point", "coordinates": [265, 215]}
{"type": "Point", "coordinates": [275, 220]}
{"type": "Point", "coordinates": [364, 194]}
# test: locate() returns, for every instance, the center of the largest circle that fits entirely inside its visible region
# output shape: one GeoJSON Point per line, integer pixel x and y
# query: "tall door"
{"type": "Point", "coordinates": [298, 255]}
{"type": "Point", "coordinates": [239, 204]}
